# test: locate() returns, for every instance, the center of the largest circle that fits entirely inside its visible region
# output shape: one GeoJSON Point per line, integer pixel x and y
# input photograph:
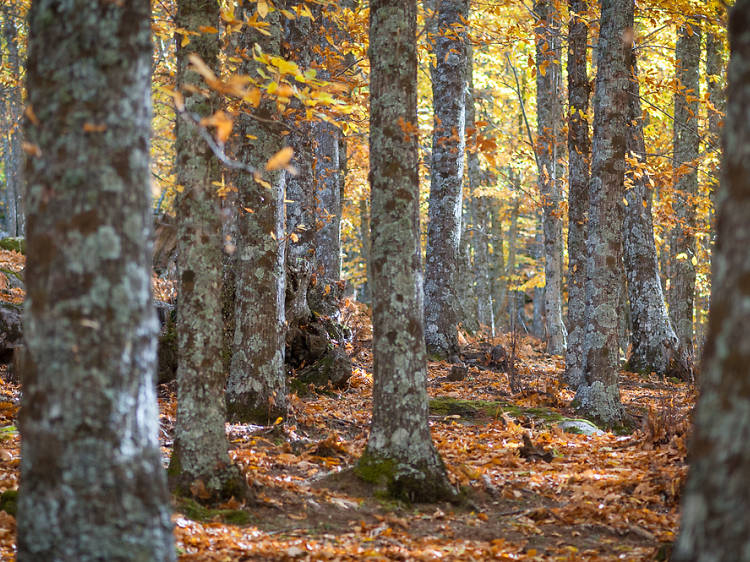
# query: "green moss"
{"type": "Point", "coordinates": [197, 512]}
{"type": "Point", "coordinates": [14, 244]}
{"type": "Point", "coordinates": [375, 471]}
{"type": "Point", "coordinates": [9, 501]}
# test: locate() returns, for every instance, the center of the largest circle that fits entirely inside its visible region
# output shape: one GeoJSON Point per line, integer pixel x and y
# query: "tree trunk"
{"type": "Point", "coordinates": [446, 176]}
{"type": "Point", "coordinates": [13, 158]}
{"type": "Point", "coordinates": [328, 235]}
{"type": "Point", "coordinates": [579, 151]}
{"type": "Point", "coordinates": [598, 396]}
{"type": "Point", "coordinates": [200, 446]}
{"type": "Point", "coordinates": [549, 120]}
{"type": "Point", "coordinates": [400, 454]}
{"type": "Point", "coordinates": [92, 483]}
{"type": "Point", "coordinates": [654, 344]}
{"type": "Point", "coordinates": [538, 325]}
{"type": "Point", "coordinates": [256, 388]}
{"type": "Point", "coordinates": [716, 499]}
{"type": "Point", "coordinates": [480, 216]}
{"type": "Point", "coordinates": [681, 294]}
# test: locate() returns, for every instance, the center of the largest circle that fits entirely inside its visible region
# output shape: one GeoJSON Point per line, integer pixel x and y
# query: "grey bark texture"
{"type": "Point", "coordinates": [446, 179]}
{"type": "Point", "coordinates": [549, 132]}
{"type": "Point", "coordinates": [654, 344]}
{"type": "Point", "coordinates": [256, 388]}
{"type": "Point", "coordinates": [681, 294]}
{"type": "Point", "coordinates": [579, 153]}
{"type": "Point", "coordinates": [13, 154]}
{"type": "Point", "coordinates": [92, 483]}
{"type": "Point", "coordinates": [328, 233]}
{"type": "Point", "coordinates": [400, 454]}
{"type": "Point", "coordinates": [598, 396]}
{"type": "Point", "coordinates": [479, 206]}
{"type": "Point", "coordinates": [716, 500]}
{"type": "Point", "coordinates": [200, 464]}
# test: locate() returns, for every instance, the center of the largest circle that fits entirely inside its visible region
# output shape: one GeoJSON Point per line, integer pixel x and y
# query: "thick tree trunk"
{"type": "Point", "coordinates": [654, 344]}
{"type": "Point", "coordinates": [446, 177]}
{"type": "Point", "coordinates": [256, 388]}
{"type": "Point", "coordinates": [549, 127]}
{"type": "Point", "coordinates": [200, 446]}
{"type": "Point", "coordinates": [715, 525]}
{"type": "Point", "coordinates": [579, 151]}
{"type": "Point", "coordinates": [681, 294]}
{"type": "Point", "coordinates": [92, 483]}
{"type": "Point", "coordinates": [400, 454]}
{"type": "Point", "coordinates": [598, 396]}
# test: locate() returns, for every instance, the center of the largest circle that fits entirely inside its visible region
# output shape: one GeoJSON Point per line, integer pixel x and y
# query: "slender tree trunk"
{"type": "Point", "coordinates": [92, 483]}
{"type": "Point", "coordinates": [654, 344]}
{"type": "Point", "coordinates": [201, 447]}
{"type": "Point", "coordinates": [549, 126]}
{"type": "Point", "coordinates": [538, 325]}
{"type": "Point", "coordinates": [686, 145]}
{"type": "Point", "coordinates": [598, 396]}
{"type": "Point", "coordinates": [515, 312]}
{"type": "Point", "coordinates": [716, 499]}
{"type": "Point", "coordinates": [480, 239]}
{"type": "Point", "coordinates": [447, 169]}
{"type": "Point", "coordinates": [466, 296]}
{"type": "Point", "coordinates": [328, 236]}
{"type": "Point", "coordinates": [400, 454]}
{"type": "Point", "coordinates": [14, 156]}
{"type": "Point", "coordinates": [256, 388]}
{"type": "Point", "coordinates": [364, 236]}
{"type": "Point", "coordinates": [579, 151]}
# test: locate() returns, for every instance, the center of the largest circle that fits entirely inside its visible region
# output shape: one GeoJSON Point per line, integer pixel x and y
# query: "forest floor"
{"type": "Point", "coordinates": [598, 497]}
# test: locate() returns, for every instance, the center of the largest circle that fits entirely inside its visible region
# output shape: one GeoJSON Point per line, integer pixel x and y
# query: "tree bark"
{"type": "Point", "coordinates": [256, 388]}
{"type": "Point", "coordinates": [400, 454]}
{"type": "Point", "coordinates": [654, 344]}
{"type": "Point", "coordinates": [13, 158]}
{"type": "Point", "coordinates": [200, 465]}
{"type": "Point", "coordinates": [579, 152]}
{"type": "Point", "coordinates": [716, 500]}
{"type": "Point", "coordinates": [446, 177]}
{"type": "Point", "coordinates": [479, 205]}
{"type": "Point", "coordinates": [549, 120]}
{"type": "Point", "coordinates": [598, 396]}
{"type": "Point", "coordinates": [681, 294]}
{"type": "Point", "coordinates": [92, 484]}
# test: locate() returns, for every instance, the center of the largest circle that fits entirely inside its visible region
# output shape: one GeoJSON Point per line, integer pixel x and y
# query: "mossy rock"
{"type": "Point", "coordinates": [14, 244]}
{"type": "Point", "coordinates": [9, 502]}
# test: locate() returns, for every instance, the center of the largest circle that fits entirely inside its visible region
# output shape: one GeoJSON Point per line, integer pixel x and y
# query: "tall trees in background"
{"type": "Point", "coordinates": [654, 344]}
{"type": "Point", "coordinates": [92, 484]}
{"type": "Point", "coordinates": [201, 447]}
{"type": "Point", "coordinates": [11, 107]}
{"type": "Point", "coordinates": [256, 388]}
{"type": "Point", "coordinates": [715, 525]}
{"type": "Point", "coordinates": [400, 454]}
{"type": "Point", "coordinates": [681, 294]}
{"type": "Point", "coordinates": [446, 179]}
{"type": "Point", "coordinates": [598, 396]}
{"type": "Point", "coordinates": [549, 130]}
{"type": "Point", "coordinates": [579, 154]}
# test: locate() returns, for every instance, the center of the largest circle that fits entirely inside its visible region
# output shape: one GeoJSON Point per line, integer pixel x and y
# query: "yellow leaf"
{"type": "Point", "coordinates": [262, 8]}
{"type": "Point", "coordinates": [31, 149]}
{"type": "Point", "coordinates": [294, 238]}
{"type": "Point", "coordinates": [248, 210]}
{"type": "Point", "coordinates": [207, 29]}
{"type": "Point", "coordinates": [278, 420]}
{"type": "Point", "coordinates": [272, 87]}
{"type": "Point", "coordinates": [624, 201]}
{"type": "Point", "coordinates": [253, 97]}
{"type": "Point", "coordinates": [94, 128]}
{"type": "Point", "coordinates": [201, 68]}
{"type": "Point", "coordinates": [185, 41]}
{"type": "Point", "coordinates": [280, 159]}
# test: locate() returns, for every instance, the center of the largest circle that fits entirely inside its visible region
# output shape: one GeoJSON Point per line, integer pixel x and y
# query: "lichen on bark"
{"type": "Point", "coordinates": [256, 388]}
{"type": "Point", "coordinates": [399, 432]}
{"type": "Point", "coordinates": [715, 525]}
{"type": "Point", "coordinates": [92, 484]}
{"type": "Point", "coordinates": [200, 466]}
{"type": "Point", "coordinates": [598, 395]}
{"type": "Point", "coordinates": [446, 179]}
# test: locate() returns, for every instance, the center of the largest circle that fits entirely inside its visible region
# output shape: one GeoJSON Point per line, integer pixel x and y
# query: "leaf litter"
{"type": "Point", "coordinates": [595, 497]}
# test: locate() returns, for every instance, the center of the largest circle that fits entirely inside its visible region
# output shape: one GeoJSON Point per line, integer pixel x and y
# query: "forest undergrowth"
{"type": "Point", "coordinates": [534, 491]}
